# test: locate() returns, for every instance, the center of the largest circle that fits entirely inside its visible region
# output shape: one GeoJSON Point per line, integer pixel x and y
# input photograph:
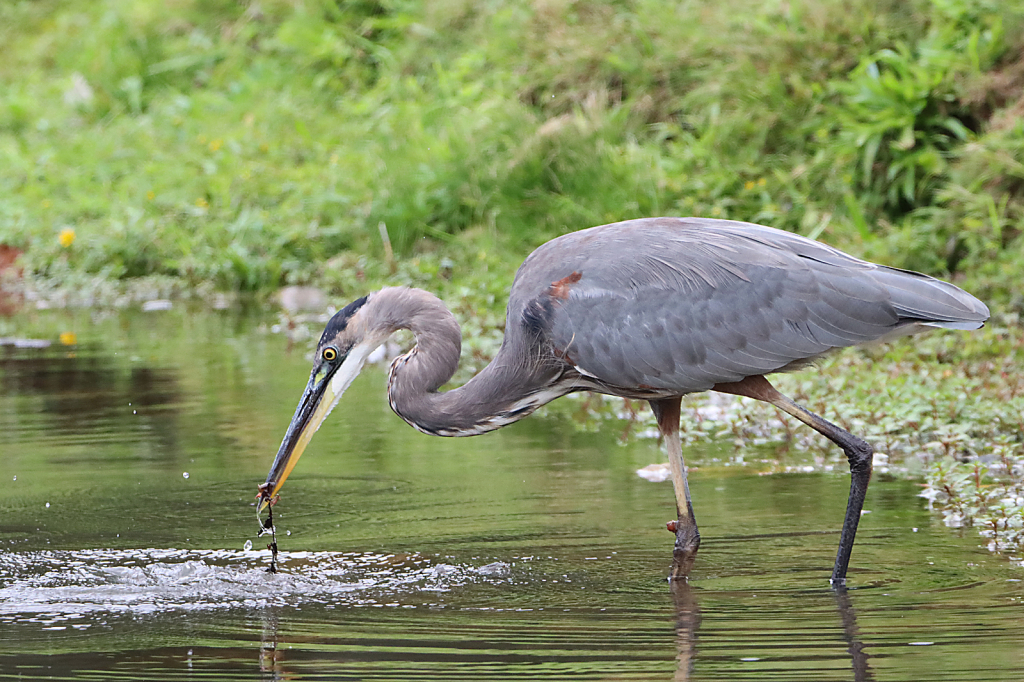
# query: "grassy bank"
{"type": "Point", "coordinates": [247, 145]}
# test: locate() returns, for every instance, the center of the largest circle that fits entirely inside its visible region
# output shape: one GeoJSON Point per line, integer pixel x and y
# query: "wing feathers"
{"type": "Point", "coordinates": [683, 304]}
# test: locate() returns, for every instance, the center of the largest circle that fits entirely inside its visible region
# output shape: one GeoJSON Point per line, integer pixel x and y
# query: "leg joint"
{"type": "Point", "coordinates": [860, 455]}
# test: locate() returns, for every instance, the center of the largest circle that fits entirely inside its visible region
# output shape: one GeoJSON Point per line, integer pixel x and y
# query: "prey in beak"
{"type": "Point", "coordinates": [340, 355]}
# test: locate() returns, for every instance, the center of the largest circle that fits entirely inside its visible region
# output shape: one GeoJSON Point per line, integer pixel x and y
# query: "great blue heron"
{"type": "Point", "coordinates": [650, 309]}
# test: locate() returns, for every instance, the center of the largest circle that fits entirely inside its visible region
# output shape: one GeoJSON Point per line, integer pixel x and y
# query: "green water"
{"type": "Point", "coordinates": [531, 553]}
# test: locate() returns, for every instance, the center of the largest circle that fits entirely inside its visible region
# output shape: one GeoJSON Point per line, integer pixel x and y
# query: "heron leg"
{"type": "Point", "coordinates": [666, 411]}
{"type": "Point", "coordinates": [858, 453]}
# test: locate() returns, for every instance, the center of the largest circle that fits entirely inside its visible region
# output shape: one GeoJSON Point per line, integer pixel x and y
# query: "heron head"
{"type": "Point", "coordinates": [340, 355]}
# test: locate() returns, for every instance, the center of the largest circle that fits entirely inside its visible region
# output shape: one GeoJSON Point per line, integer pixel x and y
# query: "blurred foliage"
{"type": "Point", "coordinates": [244, 145]}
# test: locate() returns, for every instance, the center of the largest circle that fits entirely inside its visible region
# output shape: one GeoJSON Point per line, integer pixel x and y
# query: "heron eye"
{"type": "Point", "coordinates": [330, 355]}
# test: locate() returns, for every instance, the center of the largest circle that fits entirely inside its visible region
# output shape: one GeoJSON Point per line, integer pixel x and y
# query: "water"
{"type": "Point", "coordinates": [531, 553]}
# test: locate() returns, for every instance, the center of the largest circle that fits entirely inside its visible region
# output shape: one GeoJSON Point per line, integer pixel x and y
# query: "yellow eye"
{"type": "Point", "coordinates": [330, 355]}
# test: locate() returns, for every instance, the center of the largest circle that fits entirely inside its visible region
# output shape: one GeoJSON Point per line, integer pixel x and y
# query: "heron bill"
{"type": "Point", "coordinates": [326, 385]}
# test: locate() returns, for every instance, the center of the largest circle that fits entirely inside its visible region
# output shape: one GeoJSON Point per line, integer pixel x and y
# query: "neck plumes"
{"type": "Point", "coordinates": [503, 392]}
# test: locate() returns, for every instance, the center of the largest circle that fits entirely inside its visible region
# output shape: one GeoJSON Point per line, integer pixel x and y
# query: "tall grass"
{"type": "Point", "coordinates": [245, 145]}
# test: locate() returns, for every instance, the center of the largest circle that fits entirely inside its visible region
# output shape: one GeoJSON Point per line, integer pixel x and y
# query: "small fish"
{"type": "Point", "coordinates": [263, 499]}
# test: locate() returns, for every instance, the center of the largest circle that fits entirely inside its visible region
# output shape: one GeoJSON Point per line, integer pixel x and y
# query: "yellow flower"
{"type": "Point", "coordinates": [264, 146]}
{"type": "Point", "coordinates": [202, 203]}
{"type": "Point", "coordinates": [67, 237]}
{"type": "Point", "coordinates": [215, 144]}
{"type": "Point", "coordinates": [749, 185]}
{"type": "Point", "coordinates": [150, 195]}
{"type": "Point", "coordinates": [762, 182]}
{"type": "Point", "coordinates": [68, 338]}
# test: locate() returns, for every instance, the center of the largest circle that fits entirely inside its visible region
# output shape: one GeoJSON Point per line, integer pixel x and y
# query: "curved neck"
{"type": "Point", "coordinates": [507, 390]}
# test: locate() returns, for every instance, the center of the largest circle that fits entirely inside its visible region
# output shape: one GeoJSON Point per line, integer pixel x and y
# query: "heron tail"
{"type": "Point", "coordinates": [920, 299]}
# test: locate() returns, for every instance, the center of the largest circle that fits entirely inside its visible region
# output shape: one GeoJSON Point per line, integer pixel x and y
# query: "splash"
{"type": "Point", "coordinates": [63, 589]}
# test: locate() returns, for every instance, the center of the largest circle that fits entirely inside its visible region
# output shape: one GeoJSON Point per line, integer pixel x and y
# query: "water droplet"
{"type": "Point", "coordinates": [247, 546]}
{"type": "Point", "coordinates": [134, 412]}
{"type": "Point", "coordinates": [184, 474]}
{"type": "Point", "coordinates": [287, 532]}
{"type": "Point", "coordinates": [47, 505]}
{"type": "Point", "coordinates": [498, 568]}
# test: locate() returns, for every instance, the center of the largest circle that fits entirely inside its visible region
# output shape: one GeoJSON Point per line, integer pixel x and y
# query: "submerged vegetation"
{"type": "Point", "coordinates": [986, 493]}
{"type": "Point", "coordinates": [157, 148]}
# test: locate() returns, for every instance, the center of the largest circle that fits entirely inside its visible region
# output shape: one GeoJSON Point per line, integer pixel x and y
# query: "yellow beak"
{"type": "Point", "coordinates": [326, 385]}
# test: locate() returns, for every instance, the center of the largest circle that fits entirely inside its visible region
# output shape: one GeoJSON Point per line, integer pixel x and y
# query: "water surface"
{"type": "Point", "coordinates": [531, 553]}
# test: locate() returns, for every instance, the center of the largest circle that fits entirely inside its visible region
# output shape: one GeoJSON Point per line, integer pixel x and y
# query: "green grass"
{"type": "Point", "coordinates": [241, 146]}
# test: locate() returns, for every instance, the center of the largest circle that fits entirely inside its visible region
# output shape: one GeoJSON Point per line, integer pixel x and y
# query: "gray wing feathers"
{"type": "Point", "coordinates": [932, 301]}
{"type": "Point", "coordinates": [684, 304]}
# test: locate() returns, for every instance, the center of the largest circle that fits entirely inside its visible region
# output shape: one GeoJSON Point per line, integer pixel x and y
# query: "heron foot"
{"type": "Point", "coordinates": [685, 550]}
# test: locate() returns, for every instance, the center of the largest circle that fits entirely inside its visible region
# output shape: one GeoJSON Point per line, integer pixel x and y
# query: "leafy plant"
{"type": "Point", "coordinates": [900, 117]}
{"type": "Point", "coordinates": [987, 495]}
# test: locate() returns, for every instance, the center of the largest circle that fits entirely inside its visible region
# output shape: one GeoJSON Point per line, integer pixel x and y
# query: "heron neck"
{"type": "Point", "coordinates": [503, 392]}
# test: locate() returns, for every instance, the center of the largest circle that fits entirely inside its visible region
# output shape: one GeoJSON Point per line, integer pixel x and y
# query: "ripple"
{"type": "Point", "coordinates": [58, 587]}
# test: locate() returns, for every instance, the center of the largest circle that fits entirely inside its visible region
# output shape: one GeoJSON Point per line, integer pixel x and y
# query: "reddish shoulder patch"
{"type": "Point", "coordinates": [564, 356]}
{"type": "Point", "coordinates": [560, 289]}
